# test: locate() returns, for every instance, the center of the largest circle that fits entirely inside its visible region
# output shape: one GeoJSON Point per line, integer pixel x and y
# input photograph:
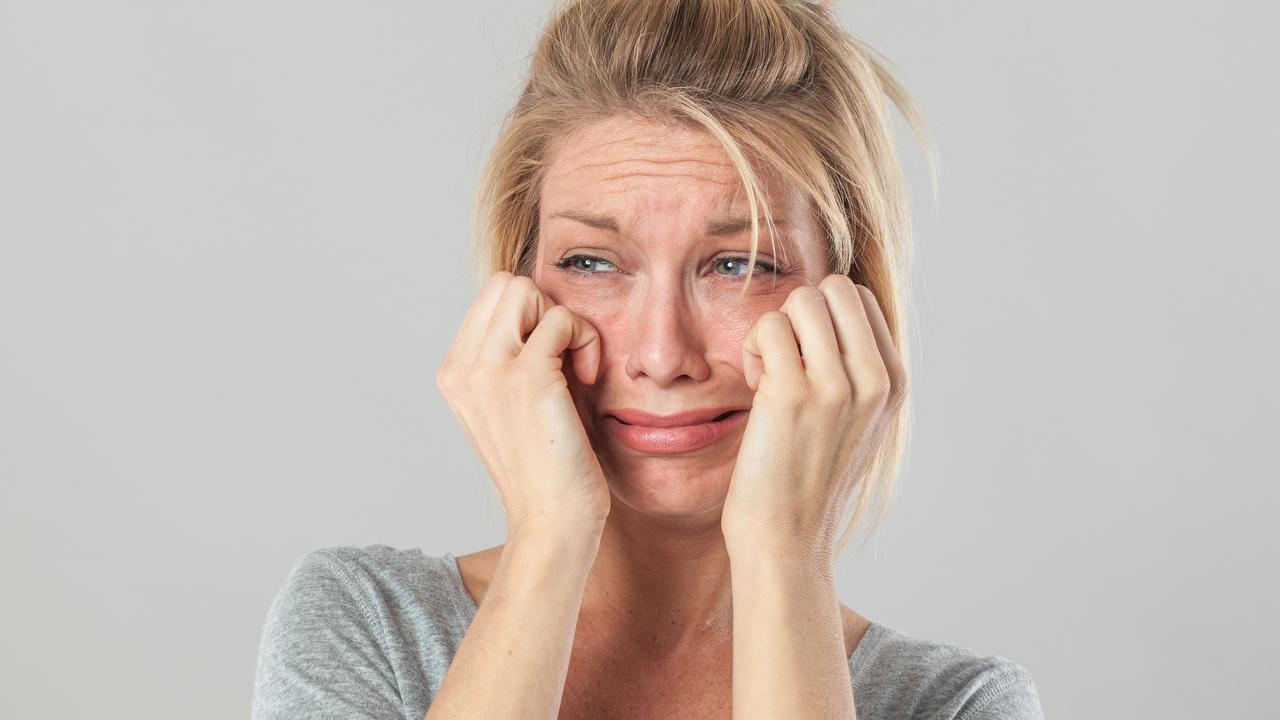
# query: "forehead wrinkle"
{"type": "Point", "coordinates": [659, 161]}
{"type": "Point", "coordinates": [670, 175]}
{"type": "Point", "coordinates": [641, 141]}
{"type": "Point", "coordinates": [579, 167]}
{"type": "Point", "coordinates": [644, 133]}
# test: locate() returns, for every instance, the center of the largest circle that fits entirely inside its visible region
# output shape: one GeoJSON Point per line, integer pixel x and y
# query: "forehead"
{"type": "Point", "coordinates": [630, 166]}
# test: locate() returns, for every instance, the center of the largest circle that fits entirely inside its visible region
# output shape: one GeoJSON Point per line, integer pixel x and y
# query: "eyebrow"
{"type": "Point", "coordinates": [717, 227]}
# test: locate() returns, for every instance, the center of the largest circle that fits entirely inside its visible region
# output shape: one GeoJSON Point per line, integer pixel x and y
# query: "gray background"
{"type": "Point", "coordinates": [234, 253]}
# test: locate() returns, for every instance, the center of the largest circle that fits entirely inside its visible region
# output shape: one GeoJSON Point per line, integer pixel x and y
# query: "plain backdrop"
{"type": "Point", "coordinates": [233, 252]}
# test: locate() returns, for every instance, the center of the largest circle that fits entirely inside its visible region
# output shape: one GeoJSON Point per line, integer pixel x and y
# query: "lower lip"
{"type": "Point", "coordinates": [673, 440]}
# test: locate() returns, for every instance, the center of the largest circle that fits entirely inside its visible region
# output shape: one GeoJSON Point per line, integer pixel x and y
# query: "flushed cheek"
{"type": "Point", "coordinates": [722, 324]}
{"type": "Point", "coordinates": [728, 329]}
{"type": "Point", "coordinates": [607, 317]}
{"type": "Point", "coordinates": [596, 305]}
{"type": "Point", "coordinates": [578, 295]}
{"type": "Point", "coordinates": [609, 321]}
{"type": "Point", "coordinates": [723, 338]}
{"type": "Point", "coordinates": [719, 333]}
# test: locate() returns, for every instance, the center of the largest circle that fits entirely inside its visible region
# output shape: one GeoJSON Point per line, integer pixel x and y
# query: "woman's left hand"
{"type": "Point", "coordinates": [816, 422]}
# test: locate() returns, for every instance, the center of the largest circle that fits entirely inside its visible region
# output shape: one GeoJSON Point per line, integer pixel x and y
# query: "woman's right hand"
{"type": "Point", "coordinates": [513, 401]}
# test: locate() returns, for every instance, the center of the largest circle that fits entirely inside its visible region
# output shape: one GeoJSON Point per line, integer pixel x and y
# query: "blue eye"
{"type": "Point", "coordinates": [589, 265]}
{"type": "Point", "coordinates": [581, 264]}
{"type": "Point", "coordinates": [742, 262]}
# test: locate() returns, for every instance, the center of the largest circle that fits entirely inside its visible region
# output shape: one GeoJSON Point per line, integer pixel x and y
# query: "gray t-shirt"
{"type": "Point", "coordinates": [368, 633]}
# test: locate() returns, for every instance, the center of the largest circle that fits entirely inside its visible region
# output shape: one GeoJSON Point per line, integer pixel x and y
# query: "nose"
{"type": "Point", "coordinates": [667, 339]}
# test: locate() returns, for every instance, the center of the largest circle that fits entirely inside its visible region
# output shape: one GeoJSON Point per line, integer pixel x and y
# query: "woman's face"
{"type": "Point", "coordinates": [645, 233]}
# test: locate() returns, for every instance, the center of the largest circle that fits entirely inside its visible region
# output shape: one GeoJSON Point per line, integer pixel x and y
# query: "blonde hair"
{"type": "Point", "coordinates": [776, 82]}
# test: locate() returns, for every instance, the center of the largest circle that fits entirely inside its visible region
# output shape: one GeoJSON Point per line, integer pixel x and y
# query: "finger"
{"type": "Point", "coordinates": [884, 341]}
{"type": "Point", "coordinates": [772, 342]}
{"type": "Point", "coordinates": [806, 307]}
{"type": "Point", "coordinates": [476, 321]}
{"type": "Point", "coordinates": [857, 340]}
{"type": "Point", "coordinates": [518, 311]}
{"type": "Point", "coordinates": [563, 330]}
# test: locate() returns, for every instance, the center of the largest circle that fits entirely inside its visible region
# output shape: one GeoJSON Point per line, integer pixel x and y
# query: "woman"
{"type": "Point", "coordinates": [676, 416]}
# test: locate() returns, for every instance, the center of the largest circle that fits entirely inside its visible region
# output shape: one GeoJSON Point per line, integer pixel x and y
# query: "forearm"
{"type": "Point", "coordinates": [789, 656]}
{"type": "Point", "coordinates": [513, 660]}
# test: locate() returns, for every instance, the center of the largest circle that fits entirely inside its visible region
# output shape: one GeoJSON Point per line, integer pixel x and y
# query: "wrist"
{"type": "Point", "coordinates": [765, 550]}
{"type": "Point", "coordinates": [556, 536]}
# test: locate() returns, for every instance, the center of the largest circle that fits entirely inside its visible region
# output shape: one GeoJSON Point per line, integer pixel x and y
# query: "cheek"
{"type": "Point", "coordinates": [722, 328]}
{"type": "Point", "coordinates": [723, 333]}
{"type": "Point", "coordinates": [728, 327]}
{"type": "Point", "coordinates": [602, 308]}
{"type": "Point", "coordinates": [590, 300]}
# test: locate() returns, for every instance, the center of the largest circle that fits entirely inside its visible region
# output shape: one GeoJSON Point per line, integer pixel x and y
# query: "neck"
{"type": "Point", "coordinates": [659, 584]}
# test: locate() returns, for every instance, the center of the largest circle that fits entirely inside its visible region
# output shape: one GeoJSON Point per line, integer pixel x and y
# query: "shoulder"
{"type": "Point", "coordinates": [355, 575]}
{"type": "Point", "coordinates": [364, 568]}
{"type": "Point", "coordinates": [396, 598]}
{"type": "Point", "coordinates": [372, 626]}
{"type": "Point", "coordinates": [333, 585]}
{"type": "Point", "coordinates": [901, 674]}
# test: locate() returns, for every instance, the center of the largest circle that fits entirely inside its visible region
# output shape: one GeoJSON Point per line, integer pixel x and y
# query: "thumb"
{"type": "Point", "coordinates": [584, 351]}
{"type": "Point", "coordinates": [752, 361]}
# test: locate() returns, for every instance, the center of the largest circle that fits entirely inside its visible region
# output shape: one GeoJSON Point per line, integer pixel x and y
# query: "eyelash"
{"type": "Point", "coordinates": [566, 265]}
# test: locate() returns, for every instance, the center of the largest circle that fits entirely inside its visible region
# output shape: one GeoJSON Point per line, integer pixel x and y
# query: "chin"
{"type": "Point", "coordinates": [662, 486]}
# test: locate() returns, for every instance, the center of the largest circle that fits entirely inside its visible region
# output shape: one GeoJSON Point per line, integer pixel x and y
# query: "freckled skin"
{"type": "Point", "coordinates": [665, 304]}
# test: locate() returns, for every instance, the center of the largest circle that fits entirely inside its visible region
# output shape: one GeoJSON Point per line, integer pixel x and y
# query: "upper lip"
{"type": "Point", "coordinates": [688, 417]}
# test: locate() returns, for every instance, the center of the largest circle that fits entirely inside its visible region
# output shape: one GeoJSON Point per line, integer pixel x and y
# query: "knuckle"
{"type": "Point", "coordinates": [901, 390]}
{"type": "Point", "coordinates": [809, 293]}
{"type": "Point", "coordinates": [833, 392]}
{"type": "Point", "coordinates": [774, 320]}
{"type": "Point", "coordinates": [484, 374]}
{"type": "Point", "coordinates": [523, 284]}
{"type": "Point", "coordinates": [558, 314]}
{"type": "Point", "coordinates": [875, 392]}
{"type": "Point", "coordinates": [501, 278]}
{"type": "Point", "coordinates": [837, 280]}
